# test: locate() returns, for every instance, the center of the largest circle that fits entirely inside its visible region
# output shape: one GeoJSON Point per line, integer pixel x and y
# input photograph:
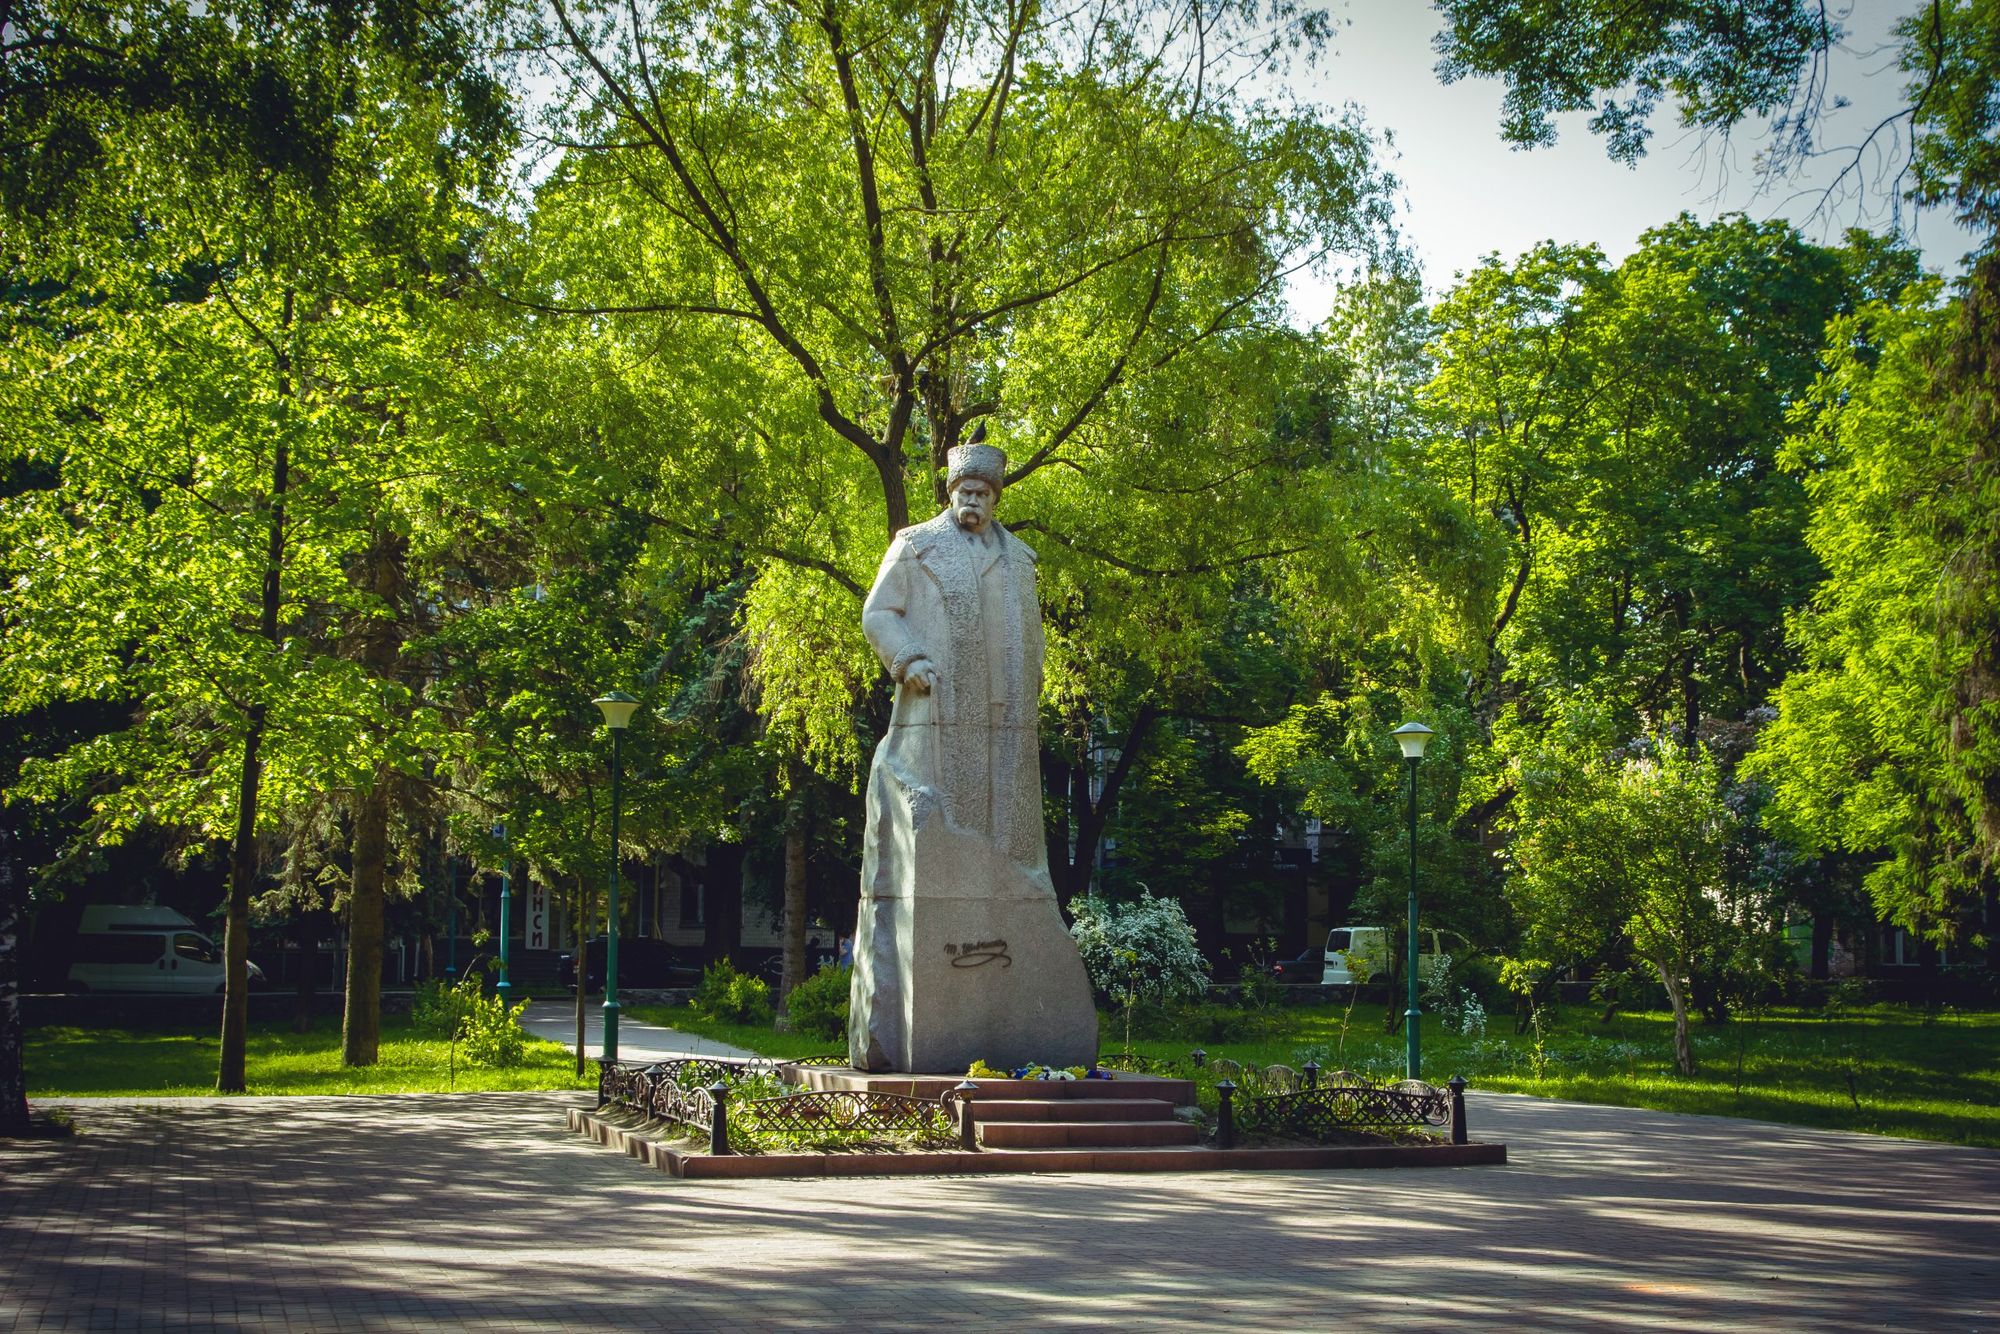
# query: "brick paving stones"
{"type": "Point", "coordinates": [480, 1211]}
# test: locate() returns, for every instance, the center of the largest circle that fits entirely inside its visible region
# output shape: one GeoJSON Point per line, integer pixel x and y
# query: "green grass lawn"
{"type": "Point", "coordinates": [1927, 1077]}
{"type": "Point", "coordinates": [97, 1062]}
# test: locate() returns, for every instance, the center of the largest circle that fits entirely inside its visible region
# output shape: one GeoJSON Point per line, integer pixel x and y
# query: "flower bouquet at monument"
{"type": "Point", "coordinates": [1031, 1071]}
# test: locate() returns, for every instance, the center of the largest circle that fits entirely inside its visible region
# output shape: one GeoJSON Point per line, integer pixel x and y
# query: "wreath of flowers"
{"type": "Point", "coordinates": [981, 1070]}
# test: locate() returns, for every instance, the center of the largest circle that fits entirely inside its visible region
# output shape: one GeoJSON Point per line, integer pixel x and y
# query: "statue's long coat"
{"type": "Point", "coordinates": [972, 611]}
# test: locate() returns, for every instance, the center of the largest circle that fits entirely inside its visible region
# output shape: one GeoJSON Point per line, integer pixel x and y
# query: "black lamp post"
{"type": "Point", "coordinates": [617, 707]}
{"type": "Point", "coordinates": [1413, 737]}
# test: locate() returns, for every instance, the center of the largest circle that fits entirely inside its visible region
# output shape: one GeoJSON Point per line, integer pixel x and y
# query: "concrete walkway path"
{"type": "Point", "coordinates": [421, 1212]}
{"type": "Point", "coordinates": [556, 1021]}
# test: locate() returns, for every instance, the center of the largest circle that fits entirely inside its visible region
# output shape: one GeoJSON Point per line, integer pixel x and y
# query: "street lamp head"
{"type": "Point", "coordinates": [617, 707]}
{"type": "Point", "coordinates": [1413, 737]}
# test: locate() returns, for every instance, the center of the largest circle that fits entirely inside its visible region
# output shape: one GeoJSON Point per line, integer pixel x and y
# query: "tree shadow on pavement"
{"type": "Point", "coordinates": [401, 1211]}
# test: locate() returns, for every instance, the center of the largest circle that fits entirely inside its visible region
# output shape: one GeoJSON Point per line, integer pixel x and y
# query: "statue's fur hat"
{"type": "Point", "coordinates": [987, 463]}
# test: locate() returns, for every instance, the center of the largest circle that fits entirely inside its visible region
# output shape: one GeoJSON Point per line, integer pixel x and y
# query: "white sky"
{"type": "Point", "coordinates": [1466, 193]}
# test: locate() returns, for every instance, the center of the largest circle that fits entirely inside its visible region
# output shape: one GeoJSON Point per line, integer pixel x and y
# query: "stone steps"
{"type": "Point", "coordinates": [1085, 1134]}
{"type": "Point", "coordinates": [1176, 1092]}
{"type": "Point", "coordinates": [1073, 1109]}
{"type": "Point", "coordinates": [1126, 1113]}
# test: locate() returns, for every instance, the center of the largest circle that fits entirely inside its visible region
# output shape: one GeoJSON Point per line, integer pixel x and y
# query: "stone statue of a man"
{"type": "Point", "coordinates": [960, 953]}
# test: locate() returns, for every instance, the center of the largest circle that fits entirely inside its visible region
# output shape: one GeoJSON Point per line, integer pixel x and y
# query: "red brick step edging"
{"type": "Point", "coordinates": [678, 1163]}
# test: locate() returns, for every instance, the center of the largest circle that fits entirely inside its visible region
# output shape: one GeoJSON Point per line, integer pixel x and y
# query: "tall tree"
{"type": "Point", "coordinates": [1726, 63]}
{"type": "Point", "coordinates": [1619, 431]}
{"type": "Point", "coordinates": [1629, 847]}
{"type": "Point", "coordinates": [1861, 758]}
{"type": "Point", "coordinates": [239, 209]}
{"type": "Point", "coordinates": [833, 242]}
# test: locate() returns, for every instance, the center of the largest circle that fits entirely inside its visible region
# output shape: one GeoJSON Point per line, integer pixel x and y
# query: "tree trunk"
{"type": "Point", "coordinates": [1822, 946]}
{"type": "Point", "coordinates": [13, 1065]}
{"type": "Point", "coordinates": [579, 921]}
{"type": "Point", "coordinates": [379, 645]}
{"type": "Point", "coordinates": [230, 1075]}
{"type": "Point", "coordinates": [1690, 689]}
{"type": "Point", "coordinates": [895, 491]}
{"type": "Point", "coordinates": [1071, 867]}
{"type": "Point", "coordinates": [1677, 997]}
{"type": "Point", "coordinates": [1397, 1000]}
{"type": "Point", "coordinates": [1055, 830]}
{"type": "Point", "coordinates": [361, 1022]}
{"type": "Point", "coordinates": [795, 901]}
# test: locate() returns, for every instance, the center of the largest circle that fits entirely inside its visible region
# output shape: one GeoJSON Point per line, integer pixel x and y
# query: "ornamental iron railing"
{"type": "Point", "coordinates": [695, 1092]}
{"type": "Point", "coordinates": [1340, 1105]}
{"type": "Point", "coordinates": [811, 1115]}
{"type": "Point", "coordinates": [1276, 1099]}
{"type": "Point", "coordinates": [1329, 1110]}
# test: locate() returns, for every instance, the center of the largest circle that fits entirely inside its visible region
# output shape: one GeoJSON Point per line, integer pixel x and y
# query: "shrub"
{"type": "Point", "coordinates": [491, 1031]}
{"type": "Point", "coordinates": [439, 1008]}
{"type": "Point", "coordinates": [731, 997]}
{"type": "Point", "coordinates": [1145, 949]}
{"type": "Point", "coordinates": [818, 1005]}
{"type": "Point", "coordinates": [462, 1013]}
{"type": "Point", "coordinates": [1457, 1006]}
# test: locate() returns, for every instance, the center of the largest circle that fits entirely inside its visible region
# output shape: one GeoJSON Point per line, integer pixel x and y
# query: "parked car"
{"type": "Point", "coordinates": [1307, 967]}
{"type": "Point", "coordinates": [1368, 949]}
{"type": "Point", "coordinates": [146, 949]}
{"type": "Point", "coordinates": [642, 962]}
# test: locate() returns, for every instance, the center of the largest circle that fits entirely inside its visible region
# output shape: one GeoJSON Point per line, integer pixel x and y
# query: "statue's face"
{"type": "Point", "coordinates": [972, 504]}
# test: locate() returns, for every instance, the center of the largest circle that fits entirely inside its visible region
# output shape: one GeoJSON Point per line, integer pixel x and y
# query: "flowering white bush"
{"type": "Point", "coordinates": [1454, 1004]}
{"type": "Point", "coordinates": [1471, 1014]}
{"type": "Point", "coordinates": [1147, 946]}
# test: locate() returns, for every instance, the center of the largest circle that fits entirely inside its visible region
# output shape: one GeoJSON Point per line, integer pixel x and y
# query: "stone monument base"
{"type": "Point", "coordinates": [970, 962]}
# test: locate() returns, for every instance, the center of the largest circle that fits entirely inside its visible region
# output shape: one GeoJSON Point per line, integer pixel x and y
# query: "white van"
{"type": "Point", "coordinates": [146, 949]}
{"type": "Point", "coordinates": [1368, 948]}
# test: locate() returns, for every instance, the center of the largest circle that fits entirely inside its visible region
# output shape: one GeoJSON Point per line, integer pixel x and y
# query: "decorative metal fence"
{"type": "Point", "coordinates": [1299, 1103]}
{"type": "Point", "coordinates": [1276, 1099]}
{"type": "Point", "coordinates": [1325, 1111]}
{"type": "Point", "coordinates": [695, 1092]}
{"type": "Point", "coordinates": [811, 1115]}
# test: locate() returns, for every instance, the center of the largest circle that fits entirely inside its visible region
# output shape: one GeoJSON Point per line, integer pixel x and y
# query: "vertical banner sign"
{"type": "Point", "coordinates": [538, 917]}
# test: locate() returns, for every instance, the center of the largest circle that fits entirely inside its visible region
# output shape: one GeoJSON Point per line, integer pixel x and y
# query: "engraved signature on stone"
{"type": "Point", "coordinates": [973, 954]}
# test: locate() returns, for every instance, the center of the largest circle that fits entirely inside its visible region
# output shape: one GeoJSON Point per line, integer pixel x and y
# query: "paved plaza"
{"type": "Point", "coordinates": [428, 1211]}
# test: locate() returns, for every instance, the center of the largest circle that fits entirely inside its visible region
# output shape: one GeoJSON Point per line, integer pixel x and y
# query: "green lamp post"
{"type": "Point", "coordinates": [506, 901]}
{"type": "Point", "coordinates": [1413, 737]}
{"type": "Point", "coordinates": [617, 707]}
